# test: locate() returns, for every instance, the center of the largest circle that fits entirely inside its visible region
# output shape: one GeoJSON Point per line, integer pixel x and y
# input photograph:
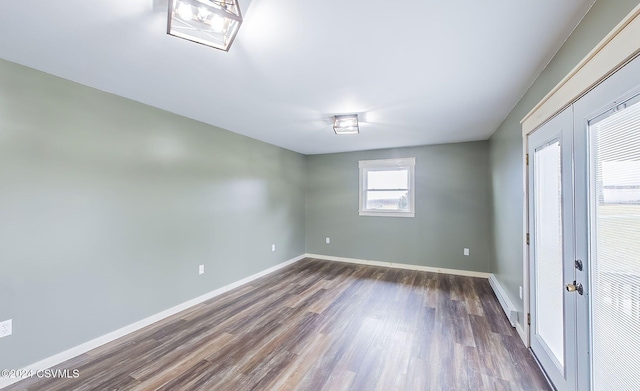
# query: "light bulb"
{"type": "Point", "coordinates": [217, 23]}
{"type": "Point", "coordinates": [347, 123]}
{"type": "Point", "coordinates": [202, 14]}
{"type": "Point", "coordinates": [184, 11]}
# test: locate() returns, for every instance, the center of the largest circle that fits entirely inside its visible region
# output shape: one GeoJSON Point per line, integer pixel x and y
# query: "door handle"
{"type": "Point", "coordinates": [575, 287]}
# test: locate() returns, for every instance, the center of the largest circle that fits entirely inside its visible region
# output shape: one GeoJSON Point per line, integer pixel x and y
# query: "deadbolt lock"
{"type": "Point", "coordinates": [575, 287]}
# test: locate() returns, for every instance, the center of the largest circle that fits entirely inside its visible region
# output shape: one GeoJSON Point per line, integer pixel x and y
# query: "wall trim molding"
{"type": "Point", "coordinates": [504, 300]}
{"type": "Point", "coordinates": [121, 332]}
{"type": "Point", "coordinates": [467, 273]}
{"type": "Point", "coordinates": [522, 334]}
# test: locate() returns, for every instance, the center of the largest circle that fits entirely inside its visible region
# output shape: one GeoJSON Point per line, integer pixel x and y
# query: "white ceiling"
{"type": "Point", "coordinates": [417, 71]}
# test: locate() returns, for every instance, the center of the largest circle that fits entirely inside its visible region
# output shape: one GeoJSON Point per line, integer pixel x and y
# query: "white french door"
{"type": "Point", "coordinates": [607, 155]}
{"type": "Point", "coordinates": [552, 307]}
{"type": "Point", "coordinates": [584, 222]}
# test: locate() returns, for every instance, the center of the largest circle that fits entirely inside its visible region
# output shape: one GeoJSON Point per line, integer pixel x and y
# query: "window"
{"type": "Point", "coordinates": [387, 187]}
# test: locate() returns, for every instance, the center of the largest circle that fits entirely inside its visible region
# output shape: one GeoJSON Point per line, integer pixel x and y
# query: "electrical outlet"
{"type": "Point", "coordinates": [466, 251]}
{"type": "Point", "coordinates": [328, 240]}
{"type": "Point", "coordinates": [520, 293]}
{"type": "Point", "coordinates": [273, 247]}
{"type": "Point", "coordinates": [201, 269]}
{"type": "Point", "coordinates": [6, 328]}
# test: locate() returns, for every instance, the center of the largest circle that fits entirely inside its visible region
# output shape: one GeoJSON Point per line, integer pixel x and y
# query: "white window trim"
{"type": "Point", "coordinates": [364, 165]}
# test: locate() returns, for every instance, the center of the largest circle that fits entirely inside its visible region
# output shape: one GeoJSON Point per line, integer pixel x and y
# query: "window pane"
{"type": "Point", "coordinates": [388, 179]}
{"type": "Point", "coordinates": [387, 200]}
{"type": "Point", "coordinates": [548, 250]}
{"type": "Point", "coordinates": [615, 248]}
{"type": "Point", "coordinates": [386, 187]}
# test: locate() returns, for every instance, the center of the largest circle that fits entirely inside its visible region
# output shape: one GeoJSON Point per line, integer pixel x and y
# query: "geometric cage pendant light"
{"type": "Point", "coordinates": [213, 23]}
{"type": "Point", "coordinates": [346, 124]}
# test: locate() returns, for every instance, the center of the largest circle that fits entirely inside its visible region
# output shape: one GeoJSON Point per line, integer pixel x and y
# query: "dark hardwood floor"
{"type": "Point", "coordinates": [319, 325]}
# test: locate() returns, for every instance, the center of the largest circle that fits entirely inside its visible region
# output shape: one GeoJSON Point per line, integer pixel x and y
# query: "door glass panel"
{"type": "Point", "coordinates": [615, 250]}
{"type": "Point", "coordinates": [548, 250]}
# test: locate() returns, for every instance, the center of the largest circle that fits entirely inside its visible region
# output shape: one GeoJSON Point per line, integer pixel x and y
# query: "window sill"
{"type": "Point", "coordinates": [386, 214]}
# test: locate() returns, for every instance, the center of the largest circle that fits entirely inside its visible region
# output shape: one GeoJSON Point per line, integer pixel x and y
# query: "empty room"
{"type": "Point", "coordinates": [289, 195]}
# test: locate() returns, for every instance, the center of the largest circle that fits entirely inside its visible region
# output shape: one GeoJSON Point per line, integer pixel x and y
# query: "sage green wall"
{"type": "Point", "coordinates": [453, 203]}
{"type": "Point", "coordinates": [506, 143]}
{"type": "Point", "coordinates": [108, 206]}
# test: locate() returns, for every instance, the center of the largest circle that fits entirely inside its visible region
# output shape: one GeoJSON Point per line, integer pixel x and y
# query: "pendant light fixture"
{"type": "Point", "coordinates": [346, 124]}
{"type": "Point", "coordinates": [213, 23]}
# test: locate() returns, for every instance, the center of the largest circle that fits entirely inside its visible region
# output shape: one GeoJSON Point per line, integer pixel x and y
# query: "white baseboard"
{"type": "Point", "coordinates": [506, 303]}
{"type": "Point", "coordinates": [522, 334]}
{"type": "Point", "coordinates": [94, 343]}
{"type": "Point", "coordinates": [457, 272]}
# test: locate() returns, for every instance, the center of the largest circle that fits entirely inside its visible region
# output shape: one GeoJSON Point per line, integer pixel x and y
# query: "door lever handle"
{"type": "Point", "coordinates": [575, 287]}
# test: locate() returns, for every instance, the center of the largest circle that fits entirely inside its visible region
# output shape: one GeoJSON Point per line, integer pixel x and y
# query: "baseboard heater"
{"type": "Point", "coordinates": [506, 303]}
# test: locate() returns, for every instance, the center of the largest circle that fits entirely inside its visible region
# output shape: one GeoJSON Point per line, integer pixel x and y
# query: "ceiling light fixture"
{"type": "Point", "coordinates": [213, 23]}
{"type": "Point", "coordinates": [346, 124]}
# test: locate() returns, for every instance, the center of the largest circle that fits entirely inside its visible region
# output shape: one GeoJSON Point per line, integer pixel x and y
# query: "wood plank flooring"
{"type": "Point", "coordinates": [319, 325]}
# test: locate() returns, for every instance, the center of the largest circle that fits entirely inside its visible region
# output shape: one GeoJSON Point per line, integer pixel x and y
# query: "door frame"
{"type": "Point", "coordinates": [615, 50]}
{"type": "Point", "coordinates": [558, 129]}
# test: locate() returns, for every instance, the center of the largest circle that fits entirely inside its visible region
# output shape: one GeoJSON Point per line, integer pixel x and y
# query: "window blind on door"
{"type": "Point", "coordinates": [615, 249]}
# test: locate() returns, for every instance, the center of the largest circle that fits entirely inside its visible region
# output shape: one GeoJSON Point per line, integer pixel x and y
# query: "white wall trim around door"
{"type": "Point", "coordinates": [94, 343]}
{"type": "Point", "coordinates": [504, 300]}
{"type": "Point", "coordinates": [432, 269]}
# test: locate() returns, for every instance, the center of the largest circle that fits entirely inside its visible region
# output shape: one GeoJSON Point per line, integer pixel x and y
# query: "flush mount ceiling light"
{"type": "Point", "coordinates": [346, 124]}
{"type": "Point", "coordinates": [213, 23]}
